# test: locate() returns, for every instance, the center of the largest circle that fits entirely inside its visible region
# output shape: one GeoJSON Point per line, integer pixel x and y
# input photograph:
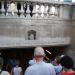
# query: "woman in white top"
{"type": "Point", "coordinates": [17, 70]}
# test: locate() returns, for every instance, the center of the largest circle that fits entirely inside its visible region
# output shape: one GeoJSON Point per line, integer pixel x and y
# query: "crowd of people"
{"type": "Point", "coordinates": [62, 65]}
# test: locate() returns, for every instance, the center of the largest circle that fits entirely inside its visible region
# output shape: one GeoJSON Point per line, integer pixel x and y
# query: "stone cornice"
{"type": "Point", "coordinates": [33, 18]}
{"type": "Point", "coordinates": [21, 42]}
{"type": "Point", "coordinates": [33, 22]}
{"type": "Point", "coordinates": [43, 1]}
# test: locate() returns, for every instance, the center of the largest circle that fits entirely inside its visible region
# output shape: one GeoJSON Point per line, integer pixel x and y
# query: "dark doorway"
{"type": "Point", "coordinates": [23, 54]}
{"type": "Point", "coordinates": [26, 54]}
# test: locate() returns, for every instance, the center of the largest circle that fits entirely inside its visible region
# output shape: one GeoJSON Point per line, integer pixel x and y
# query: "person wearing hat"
{"type": "Point", "coordinates": [17, 70]}
{"type": "Point", "coordinates": [40, 67]}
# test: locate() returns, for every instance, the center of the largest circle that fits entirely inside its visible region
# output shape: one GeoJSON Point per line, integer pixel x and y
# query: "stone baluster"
{"type": "Point", "coordinates": [3, 10]}
{"type": "Point", "coordinates": [56, 10]}
{"type": "Point", "coordinates": [25, 7]}
{"type": "Point", "coordinates": [42, 9]}
{"type": "Point", "coordinates": [47, 10]}
{"type": "Point", "coordinates": [13, 7]}
{"type": "Point", "coordinates": [61, 11]}
{"type": "Point", "coordinates": [52, 10]}
{"type": "Point", "coordinates": [37, 9]}
{"type": "Point", "coordinates": [28, 11]}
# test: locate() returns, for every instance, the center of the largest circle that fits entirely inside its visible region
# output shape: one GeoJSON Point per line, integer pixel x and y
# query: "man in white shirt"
{"type": "Point", "coordinates": [40, 67]}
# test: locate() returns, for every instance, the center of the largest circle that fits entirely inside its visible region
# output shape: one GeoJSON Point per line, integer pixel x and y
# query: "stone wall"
{"type": "Point", "coordinates": [50, 30]}
{"type": "Point", "coordinates": [71, 50]}
{"type": "Point", "coordinates": [46, 29]}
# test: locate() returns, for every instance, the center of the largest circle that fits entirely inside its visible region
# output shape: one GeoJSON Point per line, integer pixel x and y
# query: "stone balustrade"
{"type": "Point", "coordinates": [39, 23]}
{"type": "Point", "coordinates": [19, 8]}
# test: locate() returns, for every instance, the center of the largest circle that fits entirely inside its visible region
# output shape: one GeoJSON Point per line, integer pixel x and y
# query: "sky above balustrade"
{"type": "Point", "coordinates": [73, 0]}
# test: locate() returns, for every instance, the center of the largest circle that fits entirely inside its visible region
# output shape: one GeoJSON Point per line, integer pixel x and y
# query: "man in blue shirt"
{"type": "Point", "coordinates": [40, 67]}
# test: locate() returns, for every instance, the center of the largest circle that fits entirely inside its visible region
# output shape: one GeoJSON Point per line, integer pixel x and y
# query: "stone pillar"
{"type": "Point", "coordinates": [28, 11]}
{"type": "Point", "coordinates": [37, 10]}
{"type": "Point", "coordinates": [42, 10]}
{"type": "Point", "coordinates": [13, 8]}
{"type": "Point", "coordinates": [70, 52]}
{"type": "Point", "coordinates": [3, 10]}
{"type": "Point", "coordinates": [52, 10]}
{"type": "Point", "coordinates": [56, 10]}
{"type": "Point", "coordinates": [47, 10]}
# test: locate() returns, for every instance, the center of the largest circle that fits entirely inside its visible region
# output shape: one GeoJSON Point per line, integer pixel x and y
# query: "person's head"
{"type": "Point", "coordinates": [39, 54]}
{"type": "Point", "coordinates": [1, 62]}
{"type": "Point", "coordinates": [66, 62]}
{"type": "Point", "coordinates": [9, 68]}
{"type": "Point", "coordinates": [17, 62]}
{"type": "Point", "coordinates": [57, 59]}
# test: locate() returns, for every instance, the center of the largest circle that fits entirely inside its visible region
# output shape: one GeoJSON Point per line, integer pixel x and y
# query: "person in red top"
{"type": "Point", "coordinates": [67, 64]}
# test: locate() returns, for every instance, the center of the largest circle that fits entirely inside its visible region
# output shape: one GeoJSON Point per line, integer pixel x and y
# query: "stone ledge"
{"type": "Point", "coordinates": [21, 42]}
{"type": "Point", "coordinates": [47, 1]}
{"type": "Point", "coordinates": [19, 19]}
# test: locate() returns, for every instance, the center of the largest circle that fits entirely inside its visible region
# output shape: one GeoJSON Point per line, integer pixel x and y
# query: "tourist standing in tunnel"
{"type": "Point", "coordinates": [17, 70]}
{"type": "Point", "coordinates": [40, 67]}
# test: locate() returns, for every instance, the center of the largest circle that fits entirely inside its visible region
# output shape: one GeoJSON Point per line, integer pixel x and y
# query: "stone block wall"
{"type": "Point", "coordinates": [71, 50]}
{"type": "Point", "coordinates": [46, 28]}
{"type": "Point", "coordinates": [50, 30]}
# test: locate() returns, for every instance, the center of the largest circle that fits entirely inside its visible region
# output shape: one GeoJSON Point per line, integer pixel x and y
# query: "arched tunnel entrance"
{"type": "Point", "coordinates": [26, 54]}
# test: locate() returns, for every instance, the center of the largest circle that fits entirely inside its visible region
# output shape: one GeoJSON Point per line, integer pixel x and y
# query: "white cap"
{"type": "Point", "coordinates": [39, 51]}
